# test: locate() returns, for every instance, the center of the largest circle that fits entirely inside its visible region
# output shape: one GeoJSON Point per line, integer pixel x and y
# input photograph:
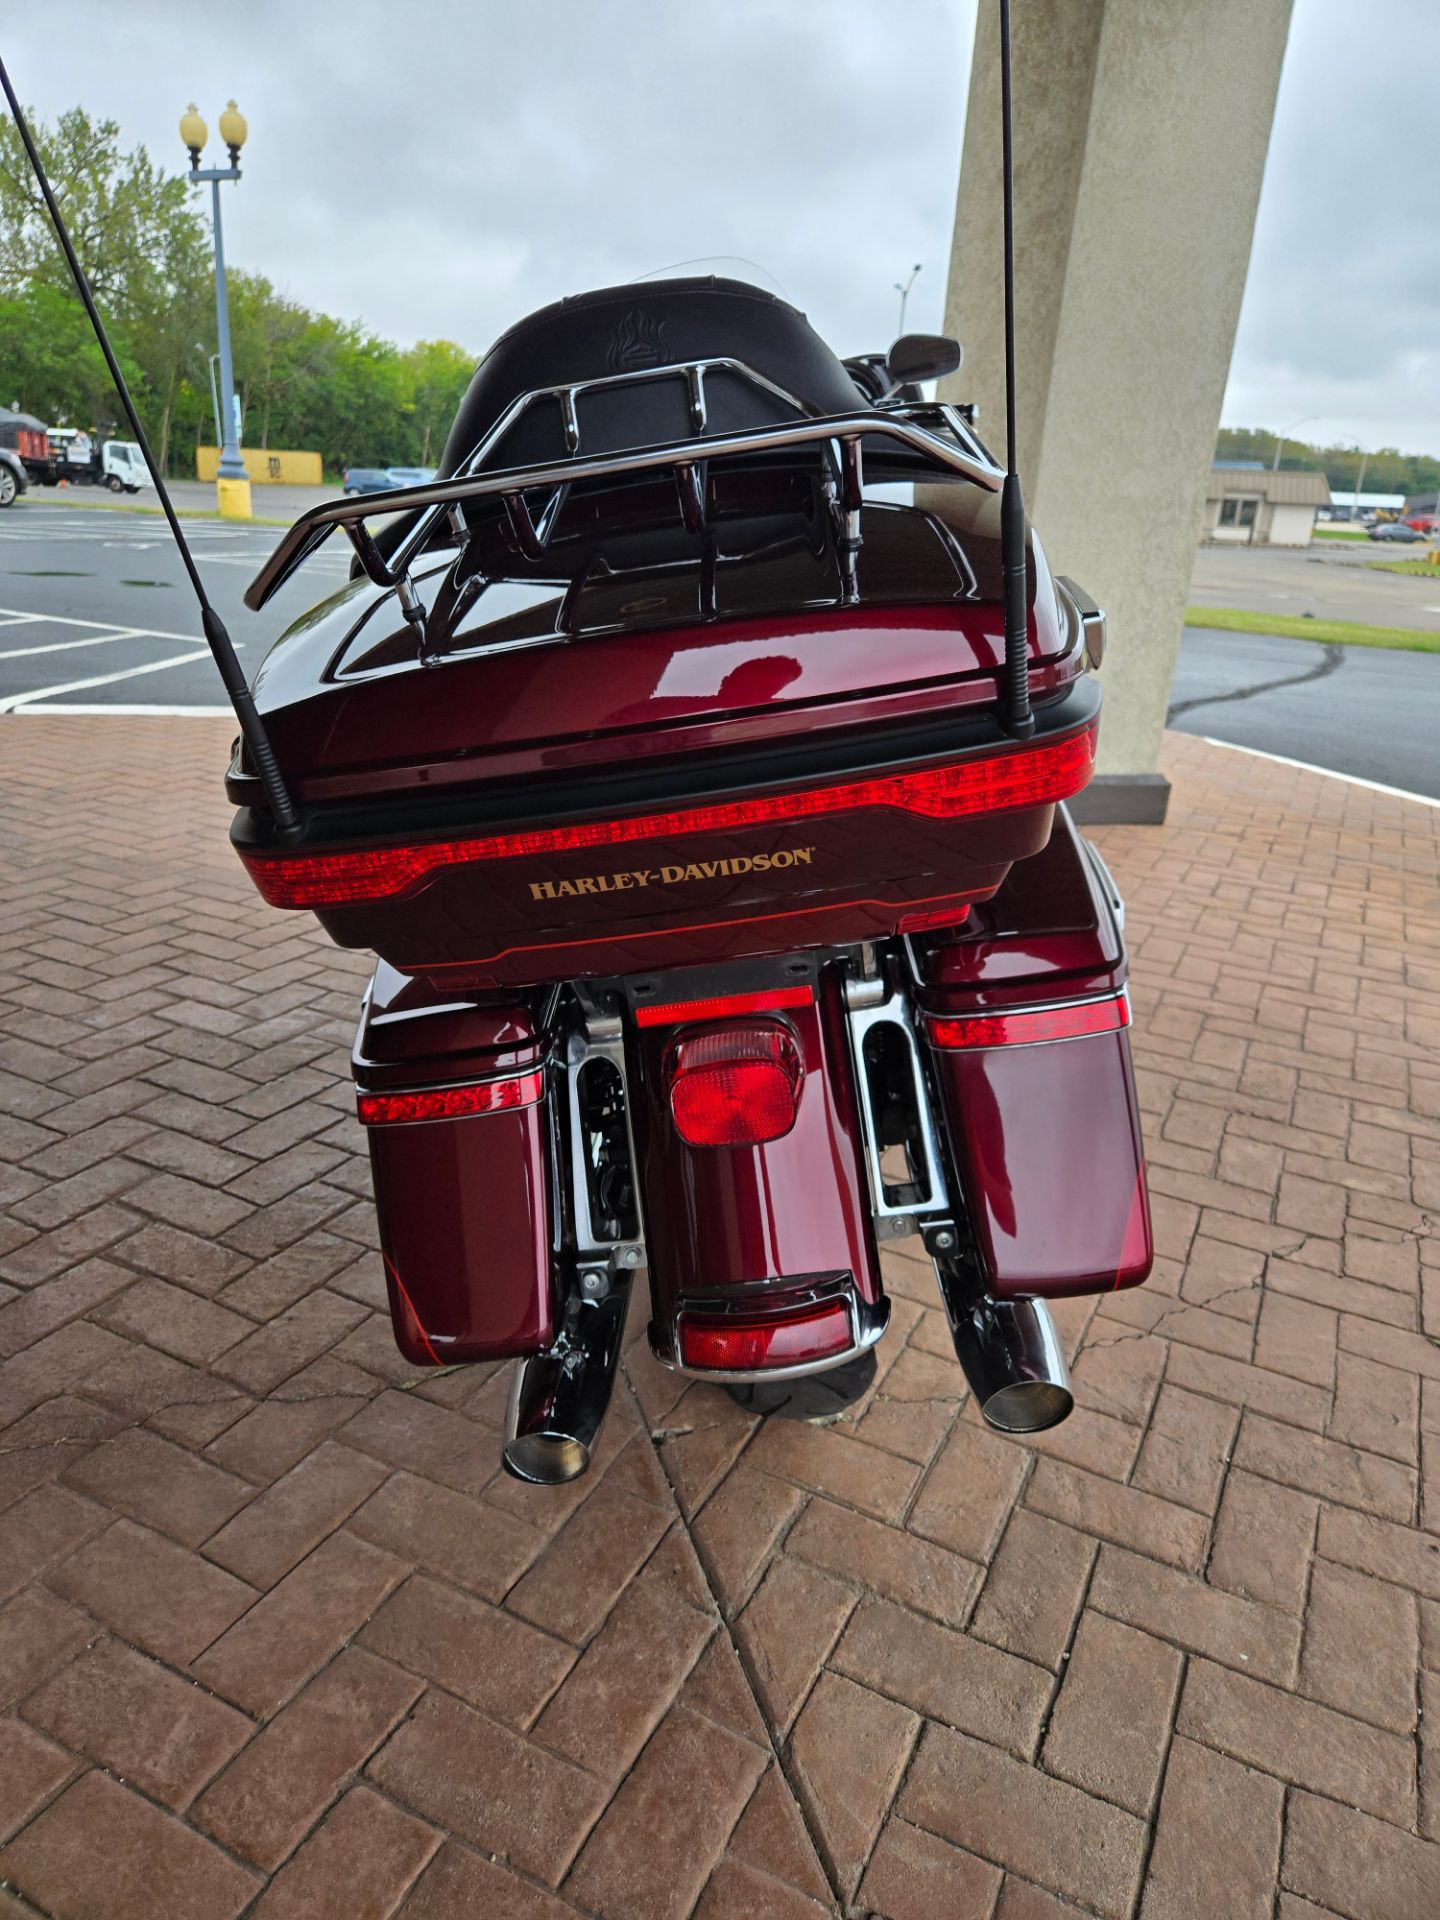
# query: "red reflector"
{"type": "Point", "coordinates": [1027, 1026]}
{"type": "Point", "coordinates": [931, 922]}
{"type": "Point", "coordinates": [747, 1343]}
{"type": "Point", "coordinates": [1027, 776]}
{"type": "Point", "coordinates": [451, 1103]}
{"type": "Point", "coordinates": [722, 1006]}
{"type": "Point", "coordinates": [733, 1086]}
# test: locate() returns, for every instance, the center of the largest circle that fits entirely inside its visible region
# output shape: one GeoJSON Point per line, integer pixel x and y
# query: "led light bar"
{"type": "Point", "coordinates": [451, 1103]}
{"type": "Point", "coordinates": [1024, 776]}
{"type": "Point", "coordinates": [722, 1006]}
{"type": "Point", "coordinates": [1028, 1026]}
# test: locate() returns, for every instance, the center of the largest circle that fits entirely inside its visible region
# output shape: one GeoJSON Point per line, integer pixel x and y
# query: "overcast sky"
{"type": "Point", "coordinates": [439, 169]}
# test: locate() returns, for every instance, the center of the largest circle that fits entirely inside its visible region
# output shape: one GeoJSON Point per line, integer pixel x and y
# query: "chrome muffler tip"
{"type": "Point", "coordinates": [1028, 1406]}
{"type": "Point", "coordinates": [1013, 1360]}
{"type": "Point", "coordinates": [546, 1459]}
{"type": "Point", "coordinates": [558, 1398]}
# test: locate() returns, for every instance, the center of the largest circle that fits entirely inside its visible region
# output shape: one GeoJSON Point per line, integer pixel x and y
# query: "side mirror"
{"type": "Point", "coordinates": [922, 356]}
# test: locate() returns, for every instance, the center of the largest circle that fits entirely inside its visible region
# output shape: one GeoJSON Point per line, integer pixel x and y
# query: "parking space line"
{"type": "Point", "coordinates": [102, 637]}
{"type": "Point", "coordinates": [103, 626]}
{"type": "Point", "coordinates": [36, 696]}
{"type": "Point", "coordinates": [120, 710]}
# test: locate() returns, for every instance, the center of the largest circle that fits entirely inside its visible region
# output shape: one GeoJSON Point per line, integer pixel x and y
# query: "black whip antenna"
{"type": "Point", "coordinates": [217, 637]}
{"type": "Point", "coordinates": [1016, 704]}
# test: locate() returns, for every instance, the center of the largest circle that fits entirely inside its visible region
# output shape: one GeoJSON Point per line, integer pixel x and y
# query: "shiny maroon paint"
{"type": "Point", "coordinates": [463, 1205]}
{"type": "Point", "coordinates": [723, 1217]}
{"type": "Point", "coordinates": [1047, 1146]}
{"type": "Point", "coordinates": [1045, 1138]}
{"type": "Point", "coordinates": [532, 702]}
{"type": "Point", "coordinates": [481, 926]}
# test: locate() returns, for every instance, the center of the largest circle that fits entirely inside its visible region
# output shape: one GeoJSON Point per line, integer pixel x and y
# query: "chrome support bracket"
{"type": "Point", "coordinates": [929, 1209]}
{"type": "Point", "coordinates": [597, 1257]}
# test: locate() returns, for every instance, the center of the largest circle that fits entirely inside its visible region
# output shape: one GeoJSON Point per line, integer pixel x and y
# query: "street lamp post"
{"type": "Point", "coordinates": [904, 293]}
{"type": "Point", "coordinates": [232, 484]}
{"type": "Point", "coordinates": [1280, 443]}
{"type": "Point", "coordinates": [1360, 482]}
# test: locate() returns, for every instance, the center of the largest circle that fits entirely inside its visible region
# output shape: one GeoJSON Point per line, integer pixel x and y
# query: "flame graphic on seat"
{"type": "Point", "coordinates": [639, 341]}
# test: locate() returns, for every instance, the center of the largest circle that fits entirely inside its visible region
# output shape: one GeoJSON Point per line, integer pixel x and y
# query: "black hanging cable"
{"type": "Point", "coordinates": [217, 637]}
{"type": "Point", "coordinates": [1016, 704]}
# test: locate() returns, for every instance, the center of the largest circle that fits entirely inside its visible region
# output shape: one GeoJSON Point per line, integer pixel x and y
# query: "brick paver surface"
{"type": "Point", "coordinates": [276, 1637]}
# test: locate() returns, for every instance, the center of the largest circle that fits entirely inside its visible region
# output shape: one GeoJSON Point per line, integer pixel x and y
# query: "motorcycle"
{"type": "Point", "coordinates": [693, 753]}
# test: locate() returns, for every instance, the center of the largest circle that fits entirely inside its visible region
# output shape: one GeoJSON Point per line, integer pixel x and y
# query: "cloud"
{"type": "Point", "coordinates": [439, 170]}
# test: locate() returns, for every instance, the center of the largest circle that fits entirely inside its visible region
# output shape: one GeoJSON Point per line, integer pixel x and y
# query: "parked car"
{"type": "Point", "coordinates": [13, 477]}
{"type": "Point", "coordinates": [411, 476]}
{"type": "Point", "coordinates": [1395, 530]}
{"type": "Point", "coordinates": [368, 480]}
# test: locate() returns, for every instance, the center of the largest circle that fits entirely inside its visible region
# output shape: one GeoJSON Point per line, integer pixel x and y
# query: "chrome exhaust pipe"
{"type": "Point", "coordinates": [559, 1398]}
{"type": "Point", "coordinates": [1014, 1362]}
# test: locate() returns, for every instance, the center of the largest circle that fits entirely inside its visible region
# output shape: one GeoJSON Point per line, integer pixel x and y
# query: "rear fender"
{"type": "Point", "coordinates": [759, 1225]}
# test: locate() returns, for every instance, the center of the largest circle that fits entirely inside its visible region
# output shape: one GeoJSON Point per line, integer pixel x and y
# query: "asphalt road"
{"type": "Point", "coordinates": [96, 610]}
{"type": "Point", "coordinates": [1365, 711]}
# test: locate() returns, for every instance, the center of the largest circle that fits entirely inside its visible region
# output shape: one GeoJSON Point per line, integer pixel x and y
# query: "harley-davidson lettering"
{"type": "Point", "coordinates": [672, 876]}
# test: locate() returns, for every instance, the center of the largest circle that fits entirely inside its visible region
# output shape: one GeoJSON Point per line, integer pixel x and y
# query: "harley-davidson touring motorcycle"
{"type": "Point", "coordinates": [693, 753]}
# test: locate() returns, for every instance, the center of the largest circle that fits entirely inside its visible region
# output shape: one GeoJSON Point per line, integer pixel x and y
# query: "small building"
{"type": "Point", "coordinates": [1364, 506]}
{"type": "Point", "coordinates": [1251, 506]}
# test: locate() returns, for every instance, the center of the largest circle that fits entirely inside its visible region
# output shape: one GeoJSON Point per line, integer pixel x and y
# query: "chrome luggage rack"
{"type": "Point", "coordinates": [946, 442]}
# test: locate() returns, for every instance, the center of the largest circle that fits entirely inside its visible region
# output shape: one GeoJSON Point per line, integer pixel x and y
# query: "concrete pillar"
{"type": "Point", "coordinates": [1141, 128]}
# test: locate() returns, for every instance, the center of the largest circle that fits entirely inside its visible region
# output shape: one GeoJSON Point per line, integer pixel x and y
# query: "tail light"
{"type": "Point", "coordinates": [1027, 776]}
{"type": "Point", "coordinates": [1028, 1026]}
{"type": "Point", "coordinates": [749, 1343]}
{"type": "Point", "coordinates": [451, 1103]}
{"type": "Point", "coordinates": [734, 1086]}
{"type": "Point", "coordinates": [935, 922]}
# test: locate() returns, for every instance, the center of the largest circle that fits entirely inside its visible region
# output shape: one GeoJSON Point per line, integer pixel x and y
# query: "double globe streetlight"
{"type": "Point", "coordinates": [232, 484]}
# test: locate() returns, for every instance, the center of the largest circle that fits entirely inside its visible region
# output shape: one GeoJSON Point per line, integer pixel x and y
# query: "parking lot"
{"type": "Point", "coordinates": [96, 612]}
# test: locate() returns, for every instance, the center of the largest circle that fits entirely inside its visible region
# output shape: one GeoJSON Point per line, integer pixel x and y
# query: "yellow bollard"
{"type": "Point", "coordinates": [233, 499]}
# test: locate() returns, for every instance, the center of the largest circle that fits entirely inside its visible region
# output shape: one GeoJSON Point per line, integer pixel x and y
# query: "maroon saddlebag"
{"type": "Point", "coordinates": [1027, 1018]}
{"type": "Point", "coordinates": [453, 1096]}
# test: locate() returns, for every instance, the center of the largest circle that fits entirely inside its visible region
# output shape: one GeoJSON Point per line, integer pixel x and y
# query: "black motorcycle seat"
{"type": "Point", "coordinates": [632, 329]}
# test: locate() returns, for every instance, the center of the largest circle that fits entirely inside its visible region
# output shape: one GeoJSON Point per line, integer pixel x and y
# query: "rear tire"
{"type": "Point", "coordinates": [8, 487]}
{"type": "Point", "coordinates": [815, 1396]}
{"type": "Point", "coordinates": [115, 483]}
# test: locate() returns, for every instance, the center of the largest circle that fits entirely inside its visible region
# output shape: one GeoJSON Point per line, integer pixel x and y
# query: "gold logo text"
{"type": "Point", "coordinates": [673, 876]}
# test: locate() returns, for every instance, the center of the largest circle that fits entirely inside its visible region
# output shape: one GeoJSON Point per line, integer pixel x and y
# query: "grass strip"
{"type": "Point", "coordinates": [1288, 626]}
{"type": "Point", "coordinates": [1426, 569]}
{"type": "Point", "coordinates": [1340, 533]}
{"type": "Point", "coordinates": [67, 499]}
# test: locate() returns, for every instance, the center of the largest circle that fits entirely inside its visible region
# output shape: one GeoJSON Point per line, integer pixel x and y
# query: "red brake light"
{"type": "Point", "coordinates": [723, 1006]}
{"type": "Point", "coordinates": [932, 922]}
{"type": "Point", "coordinates": [1024, 776]}
{"type": "Point", "coordinates": [1025, 1027]}
{"type": "Point", "coordinates": [748, 1343]}
{"type": "Point", "coordinates": [733, 1086]}
{"type": "Point", "coordinates": [451, 1103]}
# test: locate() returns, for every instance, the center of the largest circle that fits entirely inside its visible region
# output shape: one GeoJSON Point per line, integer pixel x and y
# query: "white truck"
{"type": "Point", "coordinates": [117, 464]}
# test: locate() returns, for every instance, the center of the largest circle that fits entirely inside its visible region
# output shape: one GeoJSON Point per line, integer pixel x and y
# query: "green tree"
{"type": "Point", "coordinates": [304, 379]}
{"type": "Point", "coordinates": [131, 223]}
{"type": "Point", "coordinates": [438, 372]}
